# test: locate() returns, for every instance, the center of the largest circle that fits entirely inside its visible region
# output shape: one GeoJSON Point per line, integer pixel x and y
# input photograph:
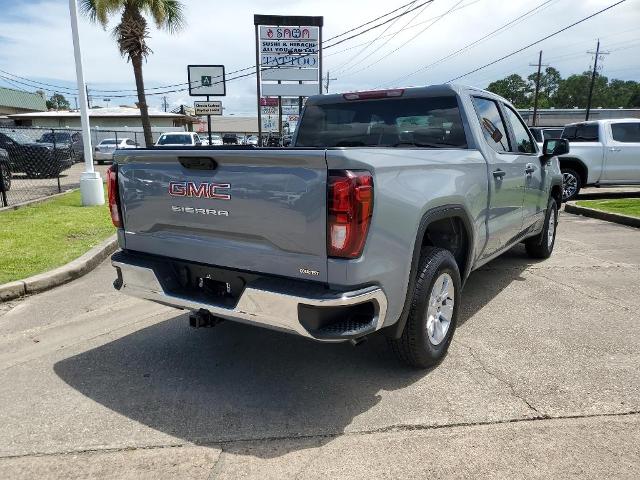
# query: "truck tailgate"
{"type": "Point", "coordinates": [257, 210]}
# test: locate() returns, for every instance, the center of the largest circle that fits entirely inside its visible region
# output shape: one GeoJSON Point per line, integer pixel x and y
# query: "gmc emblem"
{"type": "Point", "coordinates": [202, 190]}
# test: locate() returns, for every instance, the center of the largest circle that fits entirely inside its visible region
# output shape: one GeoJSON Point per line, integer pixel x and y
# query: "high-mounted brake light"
{"type": "Point", "coordinates": [112, 194]}
{"type": "Point", "coordinates": [350, 207]}
{"type": "Point", "coordinates": [397, 92]}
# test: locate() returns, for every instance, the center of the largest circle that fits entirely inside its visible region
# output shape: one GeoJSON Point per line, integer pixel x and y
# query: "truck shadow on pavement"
{"type": "Point", "coordinates": [236, 382]}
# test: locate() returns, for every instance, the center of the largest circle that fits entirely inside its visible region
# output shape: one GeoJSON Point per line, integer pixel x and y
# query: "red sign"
{"type": "Point", "coordinates": [269, 102]}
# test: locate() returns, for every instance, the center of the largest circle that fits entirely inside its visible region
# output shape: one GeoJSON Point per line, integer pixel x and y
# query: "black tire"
{"type": "Point", "coordinates": [414, 347]}
{"type": "Point", "coordinates": [571, 184]}
{"type": "Point", "coordinates": [100, 162]}
{"type": "Point", "coordinates": [5, 172]}
{"type": "Point", "coordinates": [541, 246]}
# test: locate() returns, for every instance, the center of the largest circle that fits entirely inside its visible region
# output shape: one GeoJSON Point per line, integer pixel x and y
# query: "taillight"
{"type": "Point", "coordinates": [112, 193]}
{"type": "Point", "coordinates": [349, 210]}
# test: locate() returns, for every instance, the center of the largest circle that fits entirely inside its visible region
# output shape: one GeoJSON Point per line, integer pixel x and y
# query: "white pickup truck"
{"type": "Point", "coordinates": [602, 153]}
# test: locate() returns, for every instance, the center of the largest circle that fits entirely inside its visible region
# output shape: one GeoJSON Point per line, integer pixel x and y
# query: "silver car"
{"type": "Point", "coordinates": [105, 149]}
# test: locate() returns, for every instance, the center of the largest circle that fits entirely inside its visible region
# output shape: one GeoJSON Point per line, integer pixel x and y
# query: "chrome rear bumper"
{"type": "Point", "coordinates": [270, 303]}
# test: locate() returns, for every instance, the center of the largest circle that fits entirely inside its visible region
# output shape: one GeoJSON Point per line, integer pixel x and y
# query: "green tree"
{"type": "Point", "coordinates": [620, 92]}
{"type": "Point", "coordinates": [58, 102]}
{"type": "Point", "coordinates": [574, 92]}
{"type": "Point", "coordinates": [514, 88]}
{"type": "Point", "coordinates": [634, 100]}
{"type": "Point", "coordinates": [132, 33]}
{"type": "Point", "coordinates": [550, 80]}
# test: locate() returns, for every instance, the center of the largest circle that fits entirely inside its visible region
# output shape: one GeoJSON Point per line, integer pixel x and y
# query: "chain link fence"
{"type": "Point", "coordinates": [38, 162]}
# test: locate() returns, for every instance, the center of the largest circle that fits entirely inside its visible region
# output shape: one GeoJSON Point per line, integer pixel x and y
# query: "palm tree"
{"type": "Point", "coordinates": [132, 33]}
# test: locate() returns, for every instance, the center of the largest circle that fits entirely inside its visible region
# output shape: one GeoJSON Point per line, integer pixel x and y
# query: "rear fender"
{"type": "Point", "coordinates": [438, 213]}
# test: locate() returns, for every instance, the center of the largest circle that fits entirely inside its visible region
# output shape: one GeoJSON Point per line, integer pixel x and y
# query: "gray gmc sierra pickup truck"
{"type": "Point", "coordinates": [371, 221]}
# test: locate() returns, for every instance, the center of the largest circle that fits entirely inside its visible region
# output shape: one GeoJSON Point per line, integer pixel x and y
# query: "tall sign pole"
{"type": "Point", "coordinates": [91, 188]}
{"type": "Point", "coordinates": [288, 64]}
{"type": "Point", "coordinates": [258, 86]}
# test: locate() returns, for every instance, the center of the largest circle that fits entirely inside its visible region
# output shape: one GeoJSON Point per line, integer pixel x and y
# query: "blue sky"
{"type": "Point", "coordinates": [35, 43]}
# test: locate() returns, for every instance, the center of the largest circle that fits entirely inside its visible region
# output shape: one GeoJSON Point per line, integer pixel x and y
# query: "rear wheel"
{"type": "Point", "coordinates": [434, 311]}
{"type": "Point", "coordinates": [571, 184]}
{"type": "Point", "coordinates": [541, 246]}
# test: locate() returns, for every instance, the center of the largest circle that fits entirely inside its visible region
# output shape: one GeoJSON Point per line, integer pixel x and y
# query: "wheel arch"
{"type": "Point", "coordinates": [578, 165]}
{"type": "Point", "coordinates": [433, 231]}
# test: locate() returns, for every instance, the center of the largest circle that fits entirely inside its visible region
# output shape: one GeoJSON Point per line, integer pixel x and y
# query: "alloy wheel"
{"type": "Point", "coordinates": [440, 308]}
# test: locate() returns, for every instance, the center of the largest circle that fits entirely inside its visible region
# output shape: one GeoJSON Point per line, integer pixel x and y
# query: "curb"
{"type": "Point", "coordinates": [571, 207]}
{"type": "Point", "coordinates": [61, 275]}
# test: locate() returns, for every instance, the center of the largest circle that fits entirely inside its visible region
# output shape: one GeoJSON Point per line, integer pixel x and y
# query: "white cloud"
{"type": "Point", "coordinates": [36, 43]}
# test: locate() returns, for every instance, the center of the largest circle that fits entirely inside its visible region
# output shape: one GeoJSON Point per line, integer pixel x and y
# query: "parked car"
{"type": "Point", "coordinates": [179, 139]}
{"type": "Point", "coordinates": [71, 140]}
{"type": "Point", "coordinates": [543, 133]}
{"type": "Point", "coordinates": [603, 153]}
{"type": "Point", "coordinates": [103, 152]}
{"type": "Point", "coordinates": [252, 140]}
{"type": "Point", "coordinates": [370, 223]}
{"type": "Point", "coordinates": [5, 171]}
{"type": "Point", "coordinates": [229, 139]}
{"type": "Point", "coordinates": [35, 159]}
{"type": "Point", "coordinates": [216, 140]}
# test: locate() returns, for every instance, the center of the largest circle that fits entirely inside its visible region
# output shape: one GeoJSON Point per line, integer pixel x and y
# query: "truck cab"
{"type": "Point", "coordinates": [603, 153]}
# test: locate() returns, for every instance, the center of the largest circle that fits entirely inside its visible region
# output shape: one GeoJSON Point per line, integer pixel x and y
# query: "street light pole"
{"type": "Point", "coordinates": [91, 188]}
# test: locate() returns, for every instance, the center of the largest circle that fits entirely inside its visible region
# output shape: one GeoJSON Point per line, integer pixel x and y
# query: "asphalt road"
{"type": "Point", "coordinates": [542, 381]}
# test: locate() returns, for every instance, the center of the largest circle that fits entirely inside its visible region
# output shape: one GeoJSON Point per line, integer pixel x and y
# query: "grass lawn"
{"type": "Point", "coordinates": [46, 235]}
{"type": "Point", "coordinates": [625, 206]}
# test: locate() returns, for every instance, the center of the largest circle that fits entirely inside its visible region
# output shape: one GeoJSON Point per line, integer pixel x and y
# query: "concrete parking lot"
{"type": "Point", "coordinates": [542, 381]}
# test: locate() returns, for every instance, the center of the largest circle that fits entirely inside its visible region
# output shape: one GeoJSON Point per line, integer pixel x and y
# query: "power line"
{"type": "Point", "coordinates": [472, 44]}
{"type": "Point", "coordinates": [410, 40]}
{"type": "Point", "coordinates": [537, 41]}
{"type": "Point", "coordinates": [416, 25]}
{"type": "Point", "coordinates": [368, 44]}
{"type": "Point", "coordinates": [370, 21]}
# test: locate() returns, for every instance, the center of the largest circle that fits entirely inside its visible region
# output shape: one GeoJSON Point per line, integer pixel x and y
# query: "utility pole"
{"type": "Point", "coordinates": [327, 81]}
{"type": "Point", "coordinates": [165, 103]}
{"type": "Point", "coordinates": [535, 98]}
{"type": "Point", "coordinates": [597, 54]}
{"type": "Point", "coordinates": [91, 187]}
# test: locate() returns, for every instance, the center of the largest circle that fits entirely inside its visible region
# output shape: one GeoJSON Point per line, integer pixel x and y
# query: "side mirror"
{"type": "Point", "coordinates": [554, 146]}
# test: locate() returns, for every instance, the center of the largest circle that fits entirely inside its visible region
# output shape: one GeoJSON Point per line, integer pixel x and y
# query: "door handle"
{"type": "Point", "coordinates": [613, 149]}
{"type": "Point", "coordinates": [529, 169]}
{"type": "Point", "coordinates": [498, 174]}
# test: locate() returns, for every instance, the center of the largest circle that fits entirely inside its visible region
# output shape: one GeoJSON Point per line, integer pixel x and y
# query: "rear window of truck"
{"type": "Point", "coordinates": [581, 133]}
{"type": "Point", "coordinates": [432, 122]}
